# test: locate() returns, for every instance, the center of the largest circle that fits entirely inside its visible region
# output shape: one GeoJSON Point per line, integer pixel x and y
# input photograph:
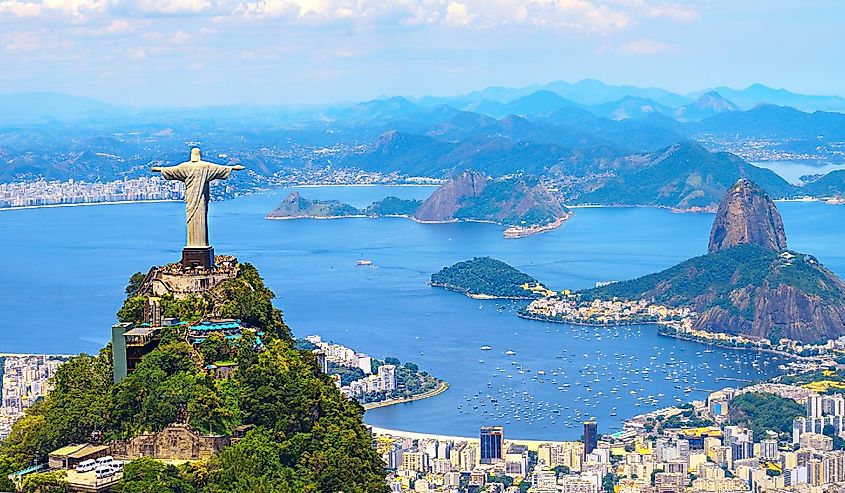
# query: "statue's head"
{"type": "Point", "coordinates": [195, 155]}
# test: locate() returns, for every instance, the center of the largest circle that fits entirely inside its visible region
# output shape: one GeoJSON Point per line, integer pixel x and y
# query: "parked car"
{"type": "Point", "coordinates": [104, 472]}
{"type": "Point", "coordinates": [105, 460]}
{"type": "Point", "coordinates": [86, 465]}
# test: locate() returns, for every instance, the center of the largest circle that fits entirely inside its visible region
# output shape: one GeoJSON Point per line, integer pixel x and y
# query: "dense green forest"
{"type": "Point", "coordinates": [762, 411]}
{"type": "Point", "coordinates": [307, 436]}
{"type": "Point", "coordinates": [393, 206]}
{"type": "Point", "coordinates": [484, 276]}
{"type": "Point", "coordinates": [706, 276]}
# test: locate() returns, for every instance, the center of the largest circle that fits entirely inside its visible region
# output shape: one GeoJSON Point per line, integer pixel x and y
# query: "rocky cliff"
{"type": "Point", "coordinates": [442, 205]}
{"type": "Point", "coordinates": [746, 214]}
{"type": "Point", "coordinates": [518, 201]}
{"type": "Point", "coordinates": [749, 283]}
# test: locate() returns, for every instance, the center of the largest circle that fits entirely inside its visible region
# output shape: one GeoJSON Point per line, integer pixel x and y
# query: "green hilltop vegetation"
{"type": "Point", "coordinates": [734, 290]}
{"type": "Point", "coordinates": [705, 276]}
{"type": "Point", "coordinates": [762, 411]}
{"type": "Point", "coordinates": [485, 277]}
{"type": "Point", "coordinates": [393, 206]}
{"type": "Point", "coordinates": [295, 206]}
{"type": "Point", "coordinates": [307, 436]}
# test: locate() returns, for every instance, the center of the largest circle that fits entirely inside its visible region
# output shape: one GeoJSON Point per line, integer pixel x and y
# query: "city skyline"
{"type": "Point", "coordinates": [204, 52]}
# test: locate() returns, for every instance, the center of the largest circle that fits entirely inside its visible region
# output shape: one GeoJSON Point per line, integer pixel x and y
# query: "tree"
{"type": "Point", "coordinates": [45, 482]}
{"type": "Point", "coordinates": [838, 442]}
{"type": "Point", "coordinates": [135, 283]}
{"type": "Point", "coordinates": [146, 475]}
{"type": "Point", "coordinates": [214, 348]}
{"type": "Point", "coordinates": [608, 482]}
{"type": "Point", "coordinates": [561, 471]}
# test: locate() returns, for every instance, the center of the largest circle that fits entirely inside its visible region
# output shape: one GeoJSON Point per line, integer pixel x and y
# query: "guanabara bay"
{"type": "Point", "coordinates": [417, 246]}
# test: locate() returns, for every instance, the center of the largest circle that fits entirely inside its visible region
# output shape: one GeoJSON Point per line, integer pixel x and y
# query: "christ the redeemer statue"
{"type": "Point", "coordinates": [197, 174]}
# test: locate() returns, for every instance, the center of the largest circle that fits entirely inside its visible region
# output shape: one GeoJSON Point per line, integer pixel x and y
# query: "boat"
{"type": "Point", "coordinates": [364, 262]}
{"type": "Point", "coordinates": [510, 353]}
{"type": "Point", "coordinates": [486, 348]}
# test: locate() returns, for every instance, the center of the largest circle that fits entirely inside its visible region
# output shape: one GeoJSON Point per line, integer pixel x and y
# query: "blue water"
{"type": "Point", "coordinates": [792, 171]}
{"type": "Point", "coordinates": [64, 270]}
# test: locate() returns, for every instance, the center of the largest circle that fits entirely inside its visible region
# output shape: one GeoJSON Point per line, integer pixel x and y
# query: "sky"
{"type": "Point", "coordinates": [158, 53]}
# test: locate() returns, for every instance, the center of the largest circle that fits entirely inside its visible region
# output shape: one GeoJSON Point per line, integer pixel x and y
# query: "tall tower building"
{"type": "Point", "coordinates": [814, 406]}
{"type": "Point", "coordinates": [591, 437]}
{"type": "Point", "coordinates": [492, 443]}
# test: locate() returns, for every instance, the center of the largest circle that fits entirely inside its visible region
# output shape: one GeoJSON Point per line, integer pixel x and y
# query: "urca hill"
{"type": "Point", "coordinates": [749, 283]}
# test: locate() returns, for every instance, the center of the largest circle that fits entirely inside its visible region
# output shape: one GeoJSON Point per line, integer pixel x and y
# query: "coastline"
{"type": "Point", "coordinates": [516, 232]}
{"type": "Point", "coordinates": [87, 204]}
{"type": "Point", "coordinates": [585, 324]}
{"type": "Point", "coordinates": [441, 387]}
{"type": "Point", "coordinates": [290, 218]}
{"type": "Point", "coordinates": [477, 296]}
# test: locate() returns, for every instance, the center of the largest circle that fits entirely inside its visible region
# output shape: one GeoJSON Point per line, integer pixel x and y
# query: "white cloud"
{"type": "Point", "coordinates": [674, 11]}
{"type": "Point", "coordinates": [173, 7]}
{"type": "Point", "coordinates": [19, 41]}
{"type": "Point", "coordinates": [117, 26]}
{"type": "Point", "coordinates": [575, 15]}
{"type": "Point", "coordinates": [19, 9]}
{"type": "Point", "coordinates": [457, 14]}
{"type": "Point", "coordinates": [645, 46]}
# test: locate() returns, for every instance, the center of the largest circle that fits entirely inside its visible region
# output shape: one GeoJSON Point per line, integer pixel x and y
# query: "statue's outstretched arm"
{"type": "Point", "coordinates": [156, 169]}
{"type": "Point", "coordinates": [238, 167]}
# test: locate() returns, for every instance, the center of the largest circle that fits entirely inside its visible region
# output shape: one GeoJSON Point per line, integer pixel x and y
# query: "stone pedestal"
{"type": "Point", "coordinates": [193, 257]}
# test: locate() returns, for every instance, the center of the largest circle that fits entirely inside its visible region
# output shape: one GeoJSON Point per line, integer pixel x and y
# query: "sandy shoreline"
{"type": "Point", "coordinates": [441, 387]}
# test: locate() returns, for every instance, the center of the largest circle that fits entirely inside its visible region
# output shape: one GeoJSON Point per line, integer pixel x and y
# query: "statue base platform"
{"type": "Point", "coordinates": [202, 257]}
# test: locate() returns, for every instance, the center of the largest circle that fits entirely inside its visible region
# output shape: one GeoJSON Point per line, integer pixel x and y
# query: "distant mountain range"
{"type": "Point", "coordinates": [594, 142]}
{"type": "Point", "coordinates": [684, 176]}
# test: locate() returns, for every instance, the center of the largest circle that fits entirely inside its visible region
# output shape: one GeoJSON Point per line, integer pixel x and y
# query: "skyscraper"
{"type": "Point", "coordinates": [591, 437]}
{"type": "Point", "coordinates": [492, 441]}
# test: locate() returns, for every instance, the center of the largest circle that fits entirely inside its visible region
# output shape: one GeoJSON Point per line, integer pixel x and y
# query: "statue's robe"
{"type": "Point", "coordinates": [196, 176]}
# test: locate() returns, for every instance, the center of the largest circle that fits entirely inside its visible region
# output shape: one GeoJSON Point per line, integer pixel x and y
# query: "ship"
{"type": "Point", "coordinates": [486, 348]}
{"type": "Point", "coordinates": [364, 262]}
{"type": "Point", "coordinates": [510, 353]}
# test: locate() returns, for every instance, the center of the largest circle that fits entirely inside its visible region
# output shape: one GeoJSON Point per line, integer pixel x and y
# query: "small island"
{"type": "Point", "coordinates": [297, 207]}
{"type": "Point", "coordinates": [488, 278]}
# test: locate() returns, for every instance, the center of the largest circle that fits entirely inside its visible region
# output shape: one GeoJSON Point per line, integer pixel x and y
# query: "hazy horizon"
{"type": "Point", "coordinates": [155, 53]}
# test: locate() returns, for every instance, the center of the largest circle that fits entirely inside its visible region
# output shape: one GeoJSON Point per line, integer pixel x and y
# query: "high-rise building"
{"type": "Point", "coordinates": [591, 437]}
{"type": "Point", "coordinates": [769, 449]}
{"type": "Point", "coordinates": [814, 406]}
{"type": "Point", "coordinates": [815, 472]}
{"type": "Point", "coordinates": [492, 440]}
{"type": "Point", "coordinates": [387, 375]}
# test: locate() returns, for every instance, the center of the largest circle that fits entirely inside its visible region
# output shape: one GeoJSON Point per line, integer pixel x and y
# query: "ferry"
{"type": "Point", "coordinates": [486, 348]}
{"type": "Point", "coordinates": [510, 353]}
{"type": "Point", "coordinates": [364, 262]}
